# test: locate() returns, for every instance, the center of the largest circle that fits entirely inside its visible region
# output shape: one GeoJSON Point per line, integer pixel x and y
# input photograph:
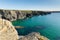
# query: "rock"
{"type": "Point", "coordinates": [18, 27]}
{"type": "Point", "coordinates": [7, 30]}
{"type": "Point", "coordinates": [13, 15]}
{"type": "Point", "coordinates": [33, 36]}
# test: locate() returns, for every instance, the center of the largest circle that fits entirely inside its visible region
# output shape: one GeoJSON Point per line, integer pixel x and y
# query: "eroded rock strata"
{"type": "Point", "coordinates": [19, 14]}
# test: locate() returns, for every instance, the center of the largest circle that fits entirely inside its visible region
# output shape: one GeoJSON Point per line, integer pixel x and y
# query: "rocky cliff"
{"type": "Point", "coordinates": [12, 15]}
{"type": "Point", "coordinates": [7, 31]}
{"type": "Point", "coordinates": [33, 36]}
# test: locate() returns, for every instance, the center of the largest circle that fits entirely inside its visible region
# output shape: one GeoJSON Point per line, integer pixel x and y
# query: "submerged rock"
{"type": "Point", "coordinates": [7, 31]}
{"type": "Point", "coordinates": [33, 36]}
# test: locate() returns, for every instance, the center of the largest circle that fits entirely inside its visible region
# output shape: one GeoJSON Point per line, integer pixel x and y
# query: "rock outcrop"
{"type": "Point", "coordinates": [33, 36]}
{"type": "Point", "coordinates": [7, 31]}
{"type": "Point", "coordinates": [19, 14]}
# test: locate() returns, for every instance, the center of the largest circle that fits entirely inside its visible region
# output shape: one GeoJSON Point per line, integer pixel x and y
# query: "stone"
{"type": "Point", "coordinates": [33, 36]}
{"type": "Point", "coordinates": [13, 15]}
{"type": "Point", "coordinates": [7, 30]}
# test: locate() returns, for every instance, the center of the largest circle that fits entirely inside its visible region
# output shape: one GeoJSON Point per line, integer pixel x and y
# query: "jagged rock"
{"type": "Point", "coordinates": [33, 36]}
{"type": "Point", "coordinates": [7, 30]}
{"type": "Point", "coordinates": [12, 15]}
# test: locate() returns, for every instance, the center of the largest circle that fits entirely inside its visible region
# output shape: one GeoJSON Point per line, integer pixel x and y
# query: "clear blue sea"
{"type": "Point", "coordinates": [47, 25]}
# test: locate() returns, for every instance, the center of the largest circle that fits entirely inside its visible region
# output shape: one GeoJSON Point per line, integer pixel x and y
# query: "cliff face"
{"type": "Point", "coordinates": [18, 14]}
{"type": "Point", "coordinates": [7, 31]}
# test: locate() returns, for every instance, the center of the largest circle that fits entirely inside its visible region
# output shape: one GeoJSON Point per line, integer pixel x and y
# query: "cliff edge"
{"type": "Point", "coordinates": [12, 15]}
{"type": "Point", "coordinates": [7, 30]}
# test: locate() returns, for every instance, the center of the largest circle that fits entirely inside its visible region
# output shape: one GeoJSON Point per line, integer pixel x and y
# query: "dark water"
{"type": "Point", "coordinates": [47, 25]}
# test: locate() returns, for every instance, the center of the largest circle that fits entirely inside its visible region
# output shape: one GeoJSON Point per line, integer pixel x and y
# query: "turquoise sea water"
{"type": "Point", "coordinates": [47, 25]}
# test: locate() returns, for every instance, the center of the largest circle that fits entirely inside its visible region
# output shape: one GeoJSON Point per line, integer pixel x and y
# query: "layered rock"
{"type": "Point", "coordinates": [33, 36]}
{"type": "Point", "coordinates": [18, 14]}
{"type": "Point", "coordinates": [7, 31]}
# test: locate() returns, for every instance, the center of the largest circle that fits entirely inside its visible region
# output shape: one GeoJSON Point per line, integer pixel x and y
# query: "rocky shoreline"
{"type": "Point", "coordinates": [12, 15]}
{"type": "Point", "coordinates": [33, 36]}
{"type": "Point", "coordinates": [8, 32]}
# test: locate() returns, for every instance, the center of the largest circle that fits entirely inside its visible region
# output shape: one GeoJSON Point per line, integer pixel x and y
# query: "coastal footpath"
{"type": "Point", "coordinates": [8, 32]}
{"type": "Point", "coordinates": [12, 15]}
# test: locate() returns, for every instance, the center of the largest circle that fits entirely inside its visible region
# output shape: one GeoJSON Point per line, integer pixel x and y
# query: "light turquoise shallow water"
{"type": "Point", "coordinates": [47, 25]}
